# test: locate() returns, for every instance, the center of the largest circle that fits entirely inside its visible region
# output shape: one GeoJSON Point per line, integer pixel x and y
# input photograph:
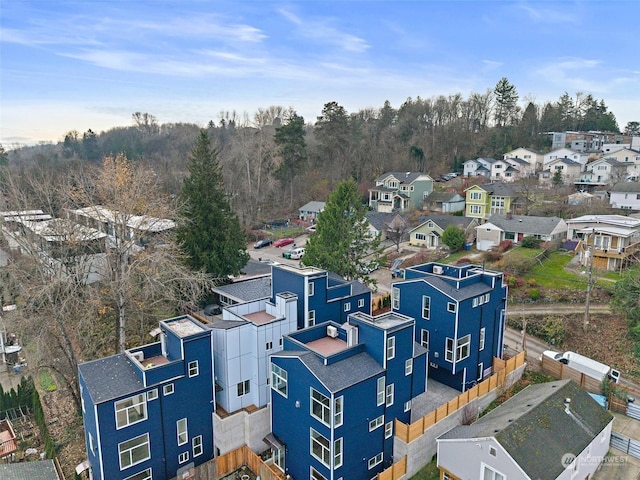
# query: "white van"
{"type": "Point", "coordinates": [296, 253]}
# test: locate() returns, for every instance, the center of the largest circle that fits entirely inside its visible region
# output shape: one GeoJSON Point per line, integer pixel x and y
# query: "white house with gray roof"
{"type": "Point", "coordinates": [625, 195]}
{"type": "Point", "coordinates": [309, 211]}
{"type": "Point", "coordinates": [515, 227]}
{"type": "Point", "coordinates": [553, 431]}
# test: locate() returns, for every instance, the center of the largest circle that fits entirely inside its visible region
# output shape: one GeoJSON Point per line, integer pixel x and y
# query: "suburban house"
{"type": "Point", "coordinates": [337, 390]}
{"type": "Point", "coordinates": [460, 318]}
{"type": "Point", "coordinates": [385, 224]}
{"type": "Point", "coordinates": [630, 158]}
{"type": "Point", "coordinates": [602, 172]}
{"type": "Point", "coordinates": [625, 195]}
{"type": "Point", "coordinates": [309, 212]}
{"type": "Point", "coordinates": [569, 169]}
{"type": "Point", "coordinates": [444, 202]}
{"type": "Point", "coordinates": [607, 242]}
{"type": "Point", "coordinates": [148, 412]}
{"type": "Point", "coordinates": [500, 169]}
{"type": "Point", "coordinates": [485, 200]}
{"type": "Point", "coordinates": [429, 232]}
{"type": "Point", "coordinates": [621, 152]}
{"type": "Point", "coordinates": [551, 430]}
{"type": "Point", "coordinates": [567, 153]}
{"type": "Point", "coordinates": [323, 295]}
{"type": "Point", "coordinates": [242, 291]}
{"type": "Point", "coordinates": [515, 227]}
{"type": "Point", "coordinates": [532, 157]}
{"type": "Point", "coordinates": [400, 191]}
{"type": "Point", "coordinates": [11, 223]}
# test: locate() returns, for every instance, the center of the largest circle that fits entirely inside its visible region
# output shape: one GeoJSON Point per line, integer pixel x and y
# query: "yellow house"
{"type": "Point", "coordinates": [485, 200]}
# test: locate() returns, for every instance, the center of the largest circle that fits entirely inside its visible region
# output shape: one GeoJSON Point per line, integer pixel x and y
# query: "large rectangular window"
{"type": "Point", "coordinates": [489, 473]}
{"type": "Point", "coordinates": [426, 307]}
{"type": "Point", "coordinates": [373, 461]}
{"type": "Point", "coordinates": [391, 347]}
{"type": "Point", "coordinates": [376, 422]}
{"type": "Point", "coordinates": [144, 475]}
{"type": "Point", "coordinates": [279, 379]}
{"type": "Point", "coordinates": [183, 436]}
{"type": "Point", "coordinates": [320, 448]}
{"type": "Point", "coordinates": [196, 446]}
{"type": "Point", "coordinates": [448, 350]}
{"type": "Point", "coordinates": [475, 195]}
{"type": "Point", "coordinates": [320, 407]}
{"type": "Point", "coordinates": [396, 298]}
{"type": "Point", "coordinates": [482, 334]}
{"type": "Point", "coordinates": [134, 451]}
{"type": "Point", "coordinates": [408, 366]}
{"type": "Point", "coordinates": [475, 209]}
{"type": "Point", "coordinates": [390, 394]}
{"type": "Point", "coordinates": [337, 412]}
{"type": "Point", "coordinates": [337, 453]}
{"type": "Point", "coordinates": [243, 388]}
{"type": "Point", "coordinates": [131, 410]}
{"type": "Point", "coordinates": [193, 368]}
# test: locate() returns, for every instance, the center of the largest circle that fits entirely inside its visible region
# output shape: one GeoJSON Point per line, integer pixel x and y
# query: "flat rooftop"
{"type": "Point", "coordinates": [259, 318]}
{"type": "Point", "coordinates": [185, 326]}
{"type": "Point", "coordinates": [327, 345]}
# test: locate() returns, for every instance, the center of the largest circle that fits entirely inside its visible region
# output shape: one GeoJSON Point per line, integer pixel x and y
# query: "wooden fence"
{"type": "Point", "coordinates": [230, 462]}
{"type": "Point", "coordinates": [561, 371]}
{"type": "Point", "coordinates": [408, 433]}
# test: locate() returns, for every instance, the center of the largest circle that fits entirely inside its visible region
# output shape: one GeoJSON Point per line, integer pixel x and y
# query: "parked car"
{"type": "Point", "coordinates": [283, 242]}
{"type": "Point", "coordinates": [296, 253]}
{"type": "Point", "coordinates": [367, 268]}
{"type": "Point", "coordinates": [265, 242]}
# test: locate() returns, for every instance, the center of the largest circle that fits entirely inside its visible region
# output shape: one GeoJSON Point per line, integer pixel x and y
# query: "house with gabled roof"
{"type": "Point", "coordinates": [569, 169]}
{"type": "Point", "coordinates": [625, 195]}
{"type": "Point", "coordinates": [490, 168]}
{"type": "Point", "coordinates": [444, 202]}
{"type": "Point", "coordinates": [485, 200]}
{"type": "Point", "coordinates": [558, 153]}
{"type": "Point", "coordinates": [551, 430]}
{"type": "Point", "coordinates": [460, 318]}
{"type": "Point", "coordinates": [336, 391]}
{"type": "Point", "coordinates": [309, 211]}
{"type": "Point", "coordinates": [515, 227]}
{"type": "Point", "coordinates": [380, 223]}
{"type": "Point", "coordinates": [429, 232]}
{"type": "Point", "coordinates": [532, 157]}
{"type": "Point", "coordinates": [399, 191]}
{"type": "Point", "coordinates": [602, 172]}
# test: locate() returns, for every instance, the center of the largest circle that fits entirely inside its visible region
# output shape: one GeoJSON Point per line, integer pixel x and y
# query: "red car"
{"type": "Point", "coordinates": [283, 242]}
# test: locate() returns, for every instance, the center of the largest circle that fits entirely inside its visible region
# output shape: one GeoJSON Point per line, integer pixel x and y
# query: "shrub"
{"type": "Point", "coordinates": [553, 330]}
{"type": "Point", "coordinates": [463, 260]}
{"type": "Point", "coordinates": [492, 256]}
{"type": "Point", "coordinates": [534, 294]}
{"type": "Point", "coordinates": [530, 242]}
{"type": "Point", "coordinates": [505, 245]}
{"type": "Point", "coordinates": [532, 282]}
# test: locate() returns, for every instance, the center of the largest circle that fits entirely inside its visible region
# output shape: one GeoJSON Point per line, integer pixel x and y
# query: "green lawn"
{"type": "Point", "coordinates": [552, 274]}
{"type": "Point", "coordinates": [520, 253]}
{"type": "Point", "coordinates": [428, 472]}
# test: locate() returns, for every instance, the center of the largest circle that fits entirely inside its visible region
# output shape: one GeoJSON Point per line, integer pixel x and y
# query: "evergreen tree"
{"type": "Point", "coordinates": [293, 148]}
{"type": "Point", "coordinates": [557, 180]}
{"type": "Point", "coordinates": [90, 146]}
{"type": "Point", "coordinates": [209, 230]}
{"type": "Point", "coordinates": [506, 102]}
{"type": "Point", "coordinates": [453, 237]}
{"type": "Point", "coordinates": [342, 238]}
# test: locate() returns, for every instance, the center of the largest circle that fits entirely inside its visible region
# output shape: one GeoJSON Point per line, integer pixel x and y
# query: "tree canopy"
{"type": "Point", "coordinates": [209, 230]}
{"type": "Point", "coordinates": [342, 239]}
{"type": "Point", "coordinates": [453, 237]}
{"type": "Point", "coordinates": [626, 292]}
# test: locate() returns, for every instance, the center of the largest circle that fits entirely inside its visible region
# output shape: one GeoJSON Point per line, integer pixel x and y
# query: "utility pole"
{"type": "Point", "coordinates": [585, 322]}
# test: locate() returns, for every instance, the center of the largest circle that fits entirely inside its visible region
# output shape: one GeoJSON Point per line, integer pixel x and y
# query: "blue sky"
{"type": "Point", "coordinates": [90, 64]}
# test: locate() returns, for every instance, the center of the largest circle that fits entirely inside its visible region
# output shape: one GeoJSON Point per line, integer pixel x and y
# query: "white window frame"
{"type": "Point", "coordinates": [312, 289]}
{"type": "Point", "coordinates": [360, 302]}
{"type": "Point", "coordinates": [320, 406]}
{"type": "Point", "coordinates": [408, 366]}
{"type": "Point", "coordinates": [380, 395]}
{"type": "Point", "coordinates": [388, 429]}
{"type": "Point", "coordinates": [143, 475]}
{"type": "Point", "coordinates": [168, 389]}
{"type": "Point", "coordinates": [391, 347]}
{"type": "Point", "coordinates": [316, 438]}
{"type": "Point", "coordinates": [448, 349]}
{"type": "Point", "coordinates": [464, 343]}
{"type": "Point", "coordinates": [376, 423]}
{"type": "Point", "coordinates": [492, 474]}
{"type": "Point", "coordinates": [395, 298]}
{"type": "Point", "coordinates": [338, 411]}
{"type": "Point", "coordinates": [390, 394]}
{"type": "Point", "coordinates": [347, 307]}
{"type": "Point", "coordinates": [426, 307]}
{"type": "Point", "coordinates": [373, 461]}
{"type": "Point", "coordinates": [268, 346]}
{"type": "Point", "coordinates": [483, 332]}
{"type": "Point", "coordinates": [279, 380]}
{"type": "Point", "coordinates": [451, 307]}
{"type": "Point", "coordinates": [475, 195]}
{"type": "Point", "coordinates": [152, 394]}
{"type": "Point", "coordinates": [194, 369]}
{"type": "Point", "coordinates": [129, 451]}
{"type": "Point", "coordinates": [316, 475]}
{"type": "Point", "coordinates": [311, 318]}
{"type": "Point", "coordinates": [338, 453]}
{"type": "Point", "coordinates": [475, 209]}
{"type": "Point", "coordinates": [243, 388]}
{"type": "Point", "coordinates": [407, 405]}
{"type": "Point", "coordinates": [132, 408]}
{"type": "Point", "coordinates": [183, 457]}
{"type": "Point", "coordinates": [182, 431]}
{"type": "Point", "coordinates": [196, 446]}
{"type": "Point", "coordinates": [422, 338]}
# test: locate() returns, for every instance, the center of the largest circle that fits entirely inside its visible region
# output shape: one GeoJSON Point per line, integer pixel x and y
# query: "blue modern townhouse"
{"type": "Point", "coordinates": [460, 318]}
{"type": "Point", "coordinates": [148, 411]}
{"type": "Point", "coordinates": [336, 391]}
{"type": "Point", "coordinates": [323, 295]}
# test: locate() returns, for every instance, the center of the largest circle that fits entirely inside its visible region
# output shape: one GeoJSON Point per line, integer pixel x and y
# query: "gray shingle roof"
{"type": "Point", "coordinates": [380, 220]}
{"type": "Point", "coordinates": [110, 377]}
{"type": "Point", "coordinates": [499, 189]}
{"type": "Point", "coordinates": [525, 223]}
{"type": "Point", "coordinates": [312, 207]}
{"type": "Point", "coordinates": [344, 373]}
{"type": "Point", "coordinates": [403, 177]}
{"type": "Point", "coordinates": [37, 470]}
{"type": "Point", "coordinates": [459, 294]}
{"type": "Point", "coordinates": [633, 187]}
{"type": "Point", "coordinates": [357, 288]}
{"type": "Point", "coordinates": [536, 430]}
{"type": "Point", "coordinates": [443, 221]}
{"type": "Point", "coordinates": [247, 290]}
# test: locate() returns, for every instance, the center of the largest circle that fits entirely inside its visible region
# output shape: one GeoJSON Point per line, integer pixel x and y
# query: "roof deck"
{"type": "Point", "coordinates": [327, 345]}
{"type": "Point", "coordinates": [259, 318]}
